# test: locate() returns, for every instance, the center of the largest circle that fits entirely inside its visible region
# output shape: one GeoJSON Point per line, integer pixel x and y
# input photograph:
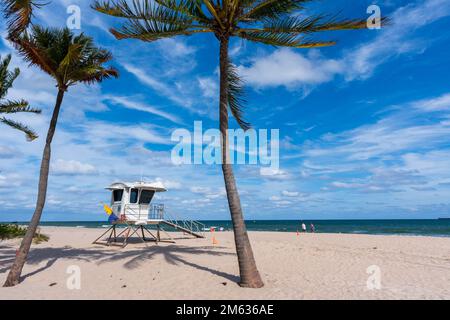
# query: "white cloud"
{"type": "Point", "coordinates": [209, 87]}
{"type": "Point", "coordinates": [441, 103]}
{"type": "Point", "coordinates": [345, 185]}
{"type": "Point", "coordinates": [72, 167]}
{"type": "Point", "coordinates": [200, 190]}
{"type": "Point", "coordinates": [169, 184]}
{"type": "Point", "coordinates": [286, 68]}
{"type": "Point", "coordinates": [273, 173]}
{"type": "Point", "coordinates": [290, 193]}
{"type": "Point", "coordinates": [175, 48]}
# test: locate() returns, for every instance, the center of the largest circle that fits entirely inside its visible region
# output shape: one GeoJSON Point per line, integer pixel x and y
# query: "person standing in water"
{"type": "Point", "coordinates": [303, 227]}
{"type": "Point", "coordinates": [313, 228]}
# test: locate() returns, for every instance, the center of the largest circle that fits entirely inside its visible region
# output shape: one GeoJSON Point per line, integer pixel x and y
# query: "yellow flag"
{"type": "Point", "coordinates": [108, 209]}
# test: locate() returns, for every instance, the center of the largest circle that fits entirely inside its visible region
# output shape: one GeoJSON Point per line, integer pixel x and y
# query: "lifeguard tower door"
{"type": "Point", "coordinates": [138, 207]}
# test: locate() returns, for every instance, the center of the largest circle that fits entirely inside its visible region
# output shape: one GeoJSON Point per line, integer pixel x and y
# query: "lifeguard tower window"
{"type": "Point", "coordinates": [117, 195]}
{"type": "Point", "coordinates": [134, 195]}
{"type": "Point", "coordinates": [146, 196]}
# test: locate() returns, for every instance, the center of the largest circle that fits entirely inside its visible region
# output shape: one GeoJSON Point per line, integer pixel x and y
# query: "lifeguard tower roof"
{"type": "Point", "coordinates": [155, 186]}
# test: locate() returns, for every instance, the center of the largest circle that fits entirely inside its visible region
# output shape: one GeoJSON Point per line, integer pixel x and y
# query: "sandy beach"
{"type": "Point", "coordinates": [308, 266]}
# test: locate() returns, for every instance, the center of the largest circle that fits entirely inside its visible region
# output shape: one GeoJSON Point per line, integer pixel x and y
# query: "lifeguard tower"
{"type": "Point", "coordinates": [133, 204]}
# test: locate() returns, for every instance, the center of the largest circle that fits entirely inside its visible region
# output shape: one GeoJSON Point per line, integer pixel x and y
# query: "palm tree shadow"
{"type": "Point", "coordinates": [47, 265]}
{"type": "Point", "coordinates": [172, 255]}
{"type": "Point", "coordinates": [132, 258]}
{"type": "Point", "coordinates": [7, 255]}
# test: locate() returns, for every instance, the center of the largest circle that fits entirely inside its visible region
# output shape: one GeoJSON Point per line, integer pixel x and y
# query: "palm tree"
{"type": "Point", "coordinates": [18, 13]}
{"type": "Point", "coordinates": [69, 60]}
{"type": "Point", "coordinates": [272, 22]}
{"type": "Point", "coordinates": [13, 106]}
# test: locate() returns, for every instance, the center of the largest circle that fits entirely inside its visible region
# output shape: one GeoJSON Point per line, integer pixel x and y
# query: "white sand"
{"type": "Point", "coordinates": [309, 266]}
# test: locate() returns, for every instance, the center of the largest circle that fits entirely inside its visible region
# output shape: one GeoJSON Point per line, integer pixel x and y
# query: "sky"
{"type": "Point", "coordinates": [364, 125]}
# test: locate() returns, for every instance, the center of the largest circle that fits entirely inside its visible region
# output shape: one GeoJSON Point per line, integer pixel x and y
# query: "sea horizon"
{"type": "Point", "coordinates": [439, 227]}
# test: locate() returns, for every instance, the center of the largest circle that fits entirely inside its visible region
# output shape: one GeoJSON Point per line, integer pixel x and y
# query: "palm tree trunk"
{"type": "Point", "coordinates": [16, 270]}
{"type": "Point", "coordinates": [249, 275]}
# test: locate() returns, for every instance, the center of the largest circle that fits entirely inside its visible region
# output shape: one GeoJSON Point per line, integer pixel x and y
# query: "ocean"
{"type": "Point", "coordinates": [435, 227]}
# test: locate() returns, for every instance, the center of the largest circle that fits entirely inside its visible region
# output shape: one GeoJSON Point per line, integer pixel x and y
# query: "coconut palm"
{"type": "Point", "coordinates": [272, 22]}
{"type": "Point", "coordinates": [69, 60]}
{"type": "Point", "coordinates": [18, 14]}
{"type": "Point", "coordinates": [13, 106]}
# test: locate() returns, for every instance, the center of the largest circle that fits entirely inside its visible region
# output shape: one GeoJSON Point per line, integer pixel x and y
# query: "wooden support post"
{"type": "Point", "coordinates": [143, 235]}
{"type": "Point", "coordinates": [109, 229]}
{"type": "Point", "coordinates": [111, 234]}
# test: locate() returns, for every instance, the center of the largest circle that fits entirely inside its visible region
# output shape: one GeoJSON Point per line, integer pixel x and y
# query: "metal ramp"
{"type": "Point", "coordinates": [193, 228]}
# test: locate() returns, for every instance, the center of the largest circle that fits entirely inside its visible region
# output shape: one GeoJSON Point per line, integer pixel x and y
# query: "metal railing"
{"type": "Point", "coordinates": [156, 212]}
{"type": "Point", "coordinates": [192, 225]}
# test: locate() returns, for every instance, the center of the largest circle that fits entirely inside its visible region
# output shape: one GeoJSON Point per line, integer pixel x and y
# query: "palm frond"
{"type": "Point", "coordinates": [92, 74]}
{"type": "Point", "coordinates": [279, 39]}
{"type": "Point", "coordinates": [141, 10]}
{"type": "Point", "coordinates": [67, 58]}
{"type": "Point", "coordinates": [7, 77]}
{"type": "Point", "coordinates": [271, 9]}
{"type": "Point", "coordinates": [236, 92]}
{"type": "Point", "coordinates": [150, 22]}
{"type": "Point", "coordinates": [311, 24]}
{"type": "Point", "coordinates": [212, 10]}
{"type": "Point", "coordinates": [29, 133]}
{"type": "Point", "coordinates": [32, 50]}
{"type": "Point", "coordinates": [148, 30]}
{"type": "Point", "coordinates": [190, 8]}
{"type": "Point", "coordinates": [15, 106]}
{"type": "Point", "coordinates": [18, 13]}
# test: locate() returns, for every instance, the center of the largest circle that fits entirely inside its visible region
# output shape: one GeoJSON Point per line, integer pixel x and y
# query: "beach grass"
{"type": "Point", "coordinates": [12, 231]}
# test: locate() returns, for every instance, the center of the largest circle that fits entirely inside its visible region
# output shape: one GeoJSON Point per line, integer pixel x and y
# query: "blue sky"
{"type": "Point", "coordinates": [364, 125]}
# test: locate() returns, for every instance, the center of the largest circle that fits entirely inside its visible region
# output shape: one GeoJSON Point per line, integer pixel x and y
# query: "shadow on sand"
{"type": "Point", "coordinates": [132, 257]}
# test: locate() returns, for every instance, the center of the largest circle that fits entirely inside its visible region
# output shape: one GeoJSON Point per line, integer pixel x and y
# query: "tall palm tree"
{"type": "Point", "coordinates": [69, 60]}
{"type": "Point", "coordinates": [18, 14]}
{"type": "Point", "coordinates": [13, 106]}
{"type": "Point", "coordinates": [272, 22]}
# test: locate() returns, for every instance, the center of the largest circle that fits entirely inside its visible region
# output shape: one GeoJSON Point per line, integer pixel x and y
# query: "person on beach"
{"type": "Point", "coordinates": [303, 227]}
{"type": "Point", "coordinates": [313, 229]}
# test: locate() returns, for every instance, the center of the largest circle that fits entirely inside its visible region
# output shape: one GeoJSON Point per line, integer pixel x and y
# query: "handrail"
{"type": "Point", "coordinates": [192, 225]}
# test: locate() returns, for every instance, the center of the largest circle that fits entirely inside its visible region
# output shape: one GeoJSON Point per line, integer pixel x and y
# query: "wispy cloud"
{"type": "Point", "coordinates": [130, 103]}
{"type": "Point", "coordinates": [158, 86]}
{"type": "Point", "coordinates": [398, 153]}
